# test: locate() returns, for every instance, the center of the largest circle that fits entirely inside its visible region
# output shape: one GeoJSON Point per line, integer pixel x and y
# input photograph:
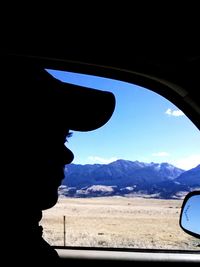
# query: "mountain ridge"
{"type": "Point", "coordinates": [128, 178]}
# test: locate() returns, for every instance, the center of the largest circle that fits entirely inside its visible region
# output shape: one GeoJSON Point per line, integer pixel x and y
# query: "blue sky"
{"type": "Point", "coordinates": [145, 127]}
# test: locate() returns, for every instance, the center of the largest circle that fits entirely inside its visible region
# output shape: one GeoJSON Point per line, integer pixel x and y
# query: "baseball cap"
{"type": "Point", "coordinates": [81, 108]}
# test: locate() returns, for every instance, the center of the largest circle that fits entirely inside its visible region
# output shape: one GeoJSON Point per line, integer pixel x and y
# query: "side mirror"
{"type": "Point", "coordinates": [190, 214]}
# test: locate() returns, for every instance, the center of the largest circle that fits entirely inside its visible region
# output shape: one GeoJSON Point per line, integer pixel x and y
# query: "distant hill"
{"type": "Point", "coordinates": [191, 177]}
{"type": "Point", "coordinates": [124, 177]}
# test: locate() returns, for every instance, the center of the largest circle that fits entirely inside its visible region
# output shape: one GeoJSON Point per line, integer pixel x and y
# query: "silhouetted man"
{"type": "Point", "coordinates": [38, 113]}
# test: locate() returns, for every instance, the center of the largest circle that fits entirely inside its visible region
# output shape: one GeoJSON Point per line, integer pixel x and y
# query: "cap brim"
{"type": "Point", "coordinates": [83, 109]}
{"type": "Point", "coordinates": [79, 108]}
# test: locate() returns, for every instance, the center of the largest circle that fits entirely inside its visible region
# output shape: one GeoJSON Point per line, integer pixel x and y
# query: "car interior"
{"type": "Point", "coordinates": [176, 78]}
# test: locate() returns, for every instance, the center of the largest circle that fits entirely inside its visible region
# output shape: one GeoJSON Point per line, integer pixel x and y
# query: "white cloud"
{"type": "Point", "coordinates": [160, 154]}
{"type": "Point", "coordinates": [187, 163]}
{"type": "Point", "coordinates": [96, 159]}
{"type": "Point", "coordinates": [175, 113]}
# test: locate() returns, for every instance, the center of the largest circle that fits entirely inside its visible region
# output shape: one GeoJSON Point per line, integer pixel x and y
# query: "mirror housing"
{"type": "Point", "coordinates": [190, 214]}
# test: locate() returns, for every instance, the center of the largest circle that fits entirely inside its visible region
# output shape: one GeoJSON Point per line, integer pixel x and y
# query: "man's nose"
{"type": "Point", "coordinates": [68, 155]}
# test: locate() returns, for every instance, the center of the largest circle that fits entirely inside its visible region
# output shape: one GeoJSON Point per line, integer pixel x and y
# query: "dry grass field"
{"type": "Point", "coordinates": [117, 222]}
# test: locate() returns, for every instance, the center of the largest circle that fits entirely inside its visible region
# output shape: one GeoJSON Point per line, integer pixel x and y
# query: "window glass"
{"type": "Point", "coordinates": [128, 179]}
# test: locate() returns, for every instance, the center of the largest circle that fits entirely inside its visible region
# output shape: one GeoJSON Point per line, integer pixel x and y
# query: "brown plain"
{"type": "Point", "coordinates": [117, 222]}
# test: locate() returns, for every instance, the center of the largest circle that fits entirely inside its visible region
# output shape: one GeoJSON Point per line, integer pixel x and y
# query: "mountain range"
{"type": "Point", "coordinates": [129, 178]}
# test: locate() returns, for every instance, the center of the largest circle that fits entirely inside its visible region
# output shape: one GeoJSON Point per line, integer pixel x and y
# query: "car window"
{"type": "Point", "coordinates": [128, 179]}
